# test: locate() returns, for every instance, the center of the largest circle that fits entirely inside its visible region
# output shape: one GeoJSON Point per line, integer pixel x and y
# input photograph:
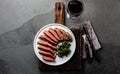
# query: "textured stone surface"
{"type": "Point", "coordinates": [16, 46]}
{"type": "Point", "coordinates": [14, 13]}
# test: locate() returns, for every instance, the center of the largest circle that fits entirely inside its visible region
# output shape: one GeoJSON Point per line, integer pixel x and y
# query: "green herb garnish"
{"type": "Point", "coordinates": [63, 49]}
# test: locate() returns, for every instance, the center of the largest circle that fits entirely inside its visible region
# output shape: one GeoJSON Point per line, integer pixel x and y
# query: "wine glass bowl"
{"type": "Point", "coordinates": [74, 9]}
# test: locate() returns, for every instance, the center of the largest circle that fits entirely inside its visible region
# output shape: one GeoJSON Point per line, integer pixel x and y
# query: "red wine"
{"type": "Point", "coordinates": [75, 7]}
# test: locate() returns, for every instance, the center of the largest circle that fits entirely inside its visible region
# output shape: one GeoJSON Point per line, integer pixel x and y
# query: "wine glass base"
{"type": "Point", "coordinates": [72, 19]}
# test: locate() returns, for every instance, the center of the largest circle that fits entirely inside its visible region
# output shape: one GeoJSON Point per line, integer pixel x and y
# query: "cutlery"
{"type": "Point", "coordinates": [89, 58]}
{"type": "Point", "coordinates": [94, 53]}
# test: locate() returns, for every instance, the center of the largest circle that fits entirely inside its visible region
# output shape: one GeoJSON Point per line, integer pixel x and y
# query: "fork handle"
{"type": "Point", "coordinates": [88, 53]}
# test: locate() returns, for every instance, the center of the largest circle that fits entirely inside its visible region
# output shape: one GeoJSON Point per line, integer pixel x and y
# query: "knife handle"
{"type": "Point", "coordinates": [88, 53]}
{"type": "Point", "coordinates": [96, 56]}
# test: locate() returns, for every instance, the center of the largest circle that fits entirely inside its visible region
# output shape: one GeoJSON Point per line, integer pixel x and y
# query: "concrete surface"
{"type": "Point", "coordinates": [14, 13]}
{"type": "Point", "coordinates": [16, 50]}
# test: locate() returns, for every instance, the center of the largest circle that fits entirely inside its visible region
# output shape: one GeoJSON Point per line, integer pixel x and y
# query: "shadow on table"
{"type": "Point", "coordinates": [24, 35]}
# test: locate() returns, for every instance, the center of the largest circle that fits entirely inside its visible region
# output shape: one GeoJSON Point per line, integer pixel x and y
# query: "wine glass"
{"type": "Point", "coordinates": [74, 9]}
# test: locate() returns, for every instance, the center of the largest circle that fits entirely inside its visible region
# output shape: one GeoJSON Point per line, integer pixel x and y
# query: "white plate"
{"type": "Point", "coordinates": [58, 60]}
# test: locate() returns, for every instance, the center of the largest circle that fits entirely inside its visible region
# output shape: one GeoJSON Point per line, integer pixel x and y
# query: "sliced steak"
{"type": "Point", "coordinates": [52, 31]}
{"type": "Point", "coordinates": [47, 58]}
{"type": "Point", "coordinates": [59, 33]}
{"type": "Point", "coordinates": [44, 37]}
{"type": "Point", "coordinates": [50, 36]}
{"type": "Point", "coordinates": [43, 42]}
{"type": "Point", "coordinates": [64, 33]}
{"type": "Point", "coordinates": [42, 47]}
{"type": "Point", "coordinates": [42, 52]}
{"type": "Point", "coordinates": [69, 36]}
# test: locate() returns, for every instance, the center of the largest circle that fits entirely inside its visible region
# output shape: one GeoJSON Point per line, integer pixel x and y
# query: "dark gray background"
{"type": "Point", "coordinates": [16, 39]}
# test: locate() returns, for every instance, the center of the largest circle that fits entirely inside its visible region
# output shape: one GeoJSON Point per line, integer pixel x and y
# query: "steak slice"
{"type": "Point", "coordinates": [64, 33]}
{"type": "Point", "coordinates": [42, 52]}
{"type": "Point", "coordinates": [42, 47]}
{"type": "Point", "coordinates": [47, 58]}
{"type": "Point", "coordinates": [59, 33]}
{"type": "Point", "coordinates": [47, 33]}
{"type": "Point", "coordinates": [69, 36]}
{"type": "Point", "coordinates": [43, 42]}
{"type": "Point", "coordinates": [44, 37]}
{"type": "Point", "coordinates": [52, 31]}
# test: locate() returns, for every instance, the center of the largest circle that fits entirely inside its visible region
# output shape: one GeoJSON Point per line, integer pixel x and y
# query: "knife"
{"type": "Point", "coordinates": [94, 53]}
